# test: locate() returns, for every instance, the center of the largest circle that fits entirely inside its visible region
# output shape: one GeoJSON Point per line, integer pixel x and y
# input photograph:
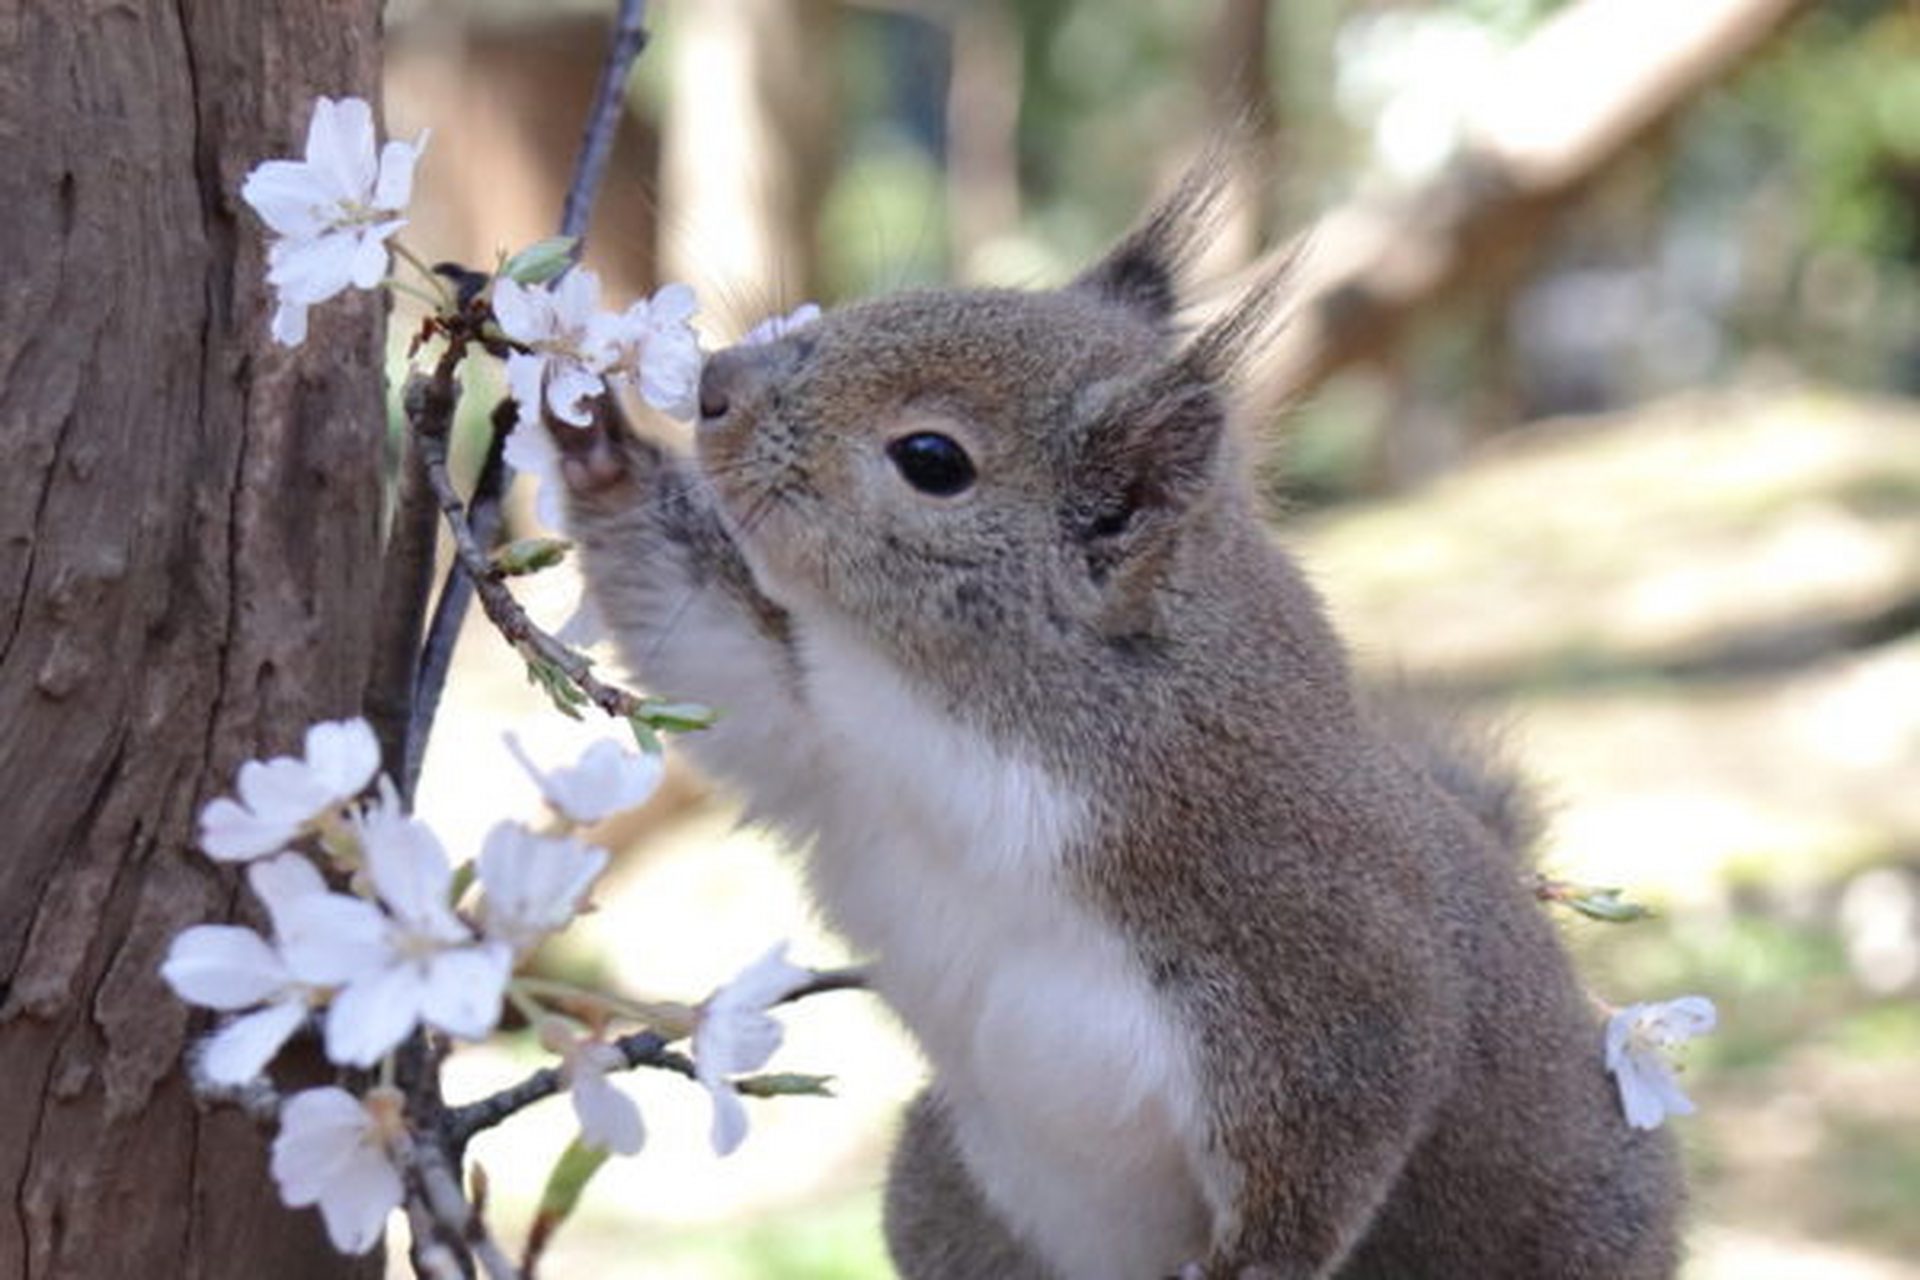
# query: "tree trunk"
{"type": "Point", "coordinates": [188, 539]}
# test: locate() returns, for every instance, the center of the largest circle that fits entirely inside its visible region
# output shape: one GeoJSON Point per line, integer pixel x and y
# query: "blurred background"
{"type": "Point", "coordinates": [1600, 419]}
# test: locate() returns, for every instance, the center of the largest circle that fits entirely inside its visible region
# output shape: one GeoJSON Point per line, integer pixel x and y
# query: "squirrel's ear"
{"type": "Point", "coordinates": [1145, 270]}
{"type": "Point", "coordinates": [1143, 452]}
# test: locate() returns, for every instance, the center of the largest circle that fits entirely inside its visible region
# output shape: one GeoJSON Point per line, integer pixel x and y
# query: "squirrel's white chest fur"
{"type": "Point", "coordinates": [1069, 1086]}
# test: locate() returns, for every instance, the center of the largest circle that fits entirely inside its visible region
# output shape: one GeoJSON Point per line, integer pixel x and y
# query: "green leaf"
{"type": "Point", "coordinates": [1607, 905]}
{"type": "Point", "coordinates": [561, 1196]}
{"type": "Point", "coordinates": [785, 1084]}
{"type": "Point", "coordinates": [540, 261]}
{"type": "Point", "coordinates": [529, 555]}
{"type": "Point", "coordinates": [676, 717]}
{"type": "Point", "coordinates": [643, 734]}
{"type": "Point", "coordinates": [556, 684]}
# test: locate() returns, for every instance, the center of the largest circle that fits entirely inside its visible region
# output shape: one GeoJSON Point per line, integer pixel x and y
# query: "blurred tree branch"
{"type": "Point", "coordinates": [1595, 80]}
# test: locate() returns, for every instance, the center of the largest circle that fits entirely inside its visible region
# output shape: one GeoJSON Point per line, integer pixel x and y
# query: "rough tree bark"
{"type": "Point", "coordinates": [188, 537]}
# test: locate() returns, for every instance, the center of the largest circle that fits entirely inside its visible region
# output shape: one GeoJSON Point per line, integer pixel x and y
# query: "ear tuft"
{"type": "Point", "coordinates": [1220, 354]}
{"type": "Point", "coordinates": [1145, 270]}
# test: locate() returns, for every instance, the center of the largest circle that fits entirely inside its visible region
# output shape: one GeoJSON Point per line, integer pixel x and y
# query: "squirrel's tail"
{"type": "Point", "coordinates": [1466, 763]}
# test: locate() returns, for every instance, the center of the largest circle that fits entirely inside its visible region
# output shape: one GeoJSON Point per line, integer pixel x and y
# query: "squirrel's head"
{"type": "Point", "coordinates": [959, 465]}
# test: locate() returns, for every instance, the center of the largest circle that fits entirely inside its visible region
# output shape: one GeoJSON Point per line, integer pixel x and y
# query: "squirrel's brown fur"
{"type": "Point", "coordinates": [1327, 1031]}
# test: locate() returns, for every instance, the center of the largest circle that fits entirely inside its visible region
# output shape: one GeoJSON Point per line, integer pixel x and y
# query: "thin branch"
{"type": "Point", "coordinates": [640, 1049]}
{"type": "Point", "coordinates": [406, 581]}
{"type": "Point", "coordinates": [851, 978]}
{"type": "Point", "coordinates": [501, 608]}
{"type": "Point", "coordinates": [435, 1188]}
{"type": "Point", "coordinates": [484, 515]}
{"type": "Point", "coordinates": [609, 99]}
{"type": "Point", "coordinates": [596, 148]}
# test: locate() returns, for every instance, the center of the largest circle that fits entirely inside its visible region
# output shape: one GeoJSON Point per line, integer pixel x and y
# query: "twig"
{"type": "Point", "coordinates": [596, 146]}
{"type": "Point", "coordinates": [851, 978]}
{"type": "Point", "coordinates": [501, 608]}
{"type": "Point", "coordinates": [406, 579]}
{"type": "Point", "coordinates": [434, 1187]}
{"type": "Point", "coordinates": [640, 1049]}
{"type": "Point", "coordinates": [436, 653]}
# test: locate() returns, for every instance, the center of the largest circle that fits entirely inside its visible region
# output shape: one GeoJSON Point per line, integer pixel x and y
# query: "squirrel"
{"type": "Point", "coordinates": [1220, 970]}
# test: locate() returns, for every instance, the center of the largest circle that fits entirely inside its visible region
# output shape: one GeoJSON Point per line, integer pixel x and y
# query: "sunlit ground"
{"type": "Point", "coordinates": [1687, 623]}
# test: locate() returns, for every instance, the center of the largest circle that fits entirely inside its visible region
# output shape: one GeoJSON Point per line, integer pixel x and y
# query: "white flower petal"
{"type": "Point", "coordinates": [311, 271]}
{"type": "Point", "coordinates": [670, 374]}
{"type": "Point", "coordinates": [283, 193]}
{"type": "Point", "coordinates": [576, 299]}
{"type": "Point", "coordinates": [374, 1013]}
{"type": "Point", "coordinates": [729, 1120]}
{"type": "Point", "coordinates": [534, 884]}
{"type": "Point", "coordinates": [331, 938]}
{"type": "Point", "coordinates": [676, 303]}
{"type": "Point", "coordinates": [463, 989]}
{"type": "Point", "coordinates": [569, 386]}
{"type": "Point", "coordinates": [394, 187]}
{"type": "Point", "coordinates": [531, 452]}
{"type": "Point", "coordinates": [342, 755]}
{"type": "Point", "coordinates": [523, 314]}
{"type": "Point", "coordinates": [1640, 1041]}
{"type": "Point", "coordinates": [774, 328]}
{"type": "Point", "coordinates": [231, 833]}
{"type": "Point", "coordinates": [410, 872]}
{"type": "Point", "coordinates": [604, 781]}
{"type": "Point", "coordinates": [283, 789]}
{"type": "Point", "coordinates": [369, 265]}
{"type": "Point", "coordinates": [328, 1152]}
{"type": "Point", "coordinates": [608, 1117]}
{"type": "Point", "coordinates": [289, 324]}
{"type": "Point", "coordinates": [321, 1132]}
{"type": "Point", "coordinates": [241, 1050]}
{"type": "Point", "coordinates": [762, 983]}
{"type": "Point", "coordinates": [223, 966]}
{"type": "Point", "coordinates": [356, 1207]}
{"type": "Point", "coordinates": [526, 380]}
{"type": "Point", "coordinates": [340, 145]}
{"type": "Point", "coordinates": [280, 882]}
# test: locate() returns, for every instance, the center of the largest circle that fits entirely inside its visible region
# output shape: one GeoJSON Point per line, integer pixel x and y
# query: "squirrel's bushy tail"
{"type": "Point", "coordinates": [1465, 762]}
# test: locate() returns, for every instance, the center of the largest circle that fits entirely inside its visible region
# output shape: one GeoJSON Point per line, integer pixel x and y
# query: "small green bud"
{"type": "Point", "coordinates": [677, 717]}
{"type": "Point", "coordinates": [785, 1084]}
{"type": "Point", "coordinates": [529, 555]}
{"type": "Point", "coordinates": [540, 261]}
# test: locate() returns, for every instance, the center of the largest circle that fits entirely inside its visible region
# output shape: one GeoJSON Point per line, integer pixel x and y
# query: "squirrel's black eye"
{"type": "Point", "coordinates": [932, 463]}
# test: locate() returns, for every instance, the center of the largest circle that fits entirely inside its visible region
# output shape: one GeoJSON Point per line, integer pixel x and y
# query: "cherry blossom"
{"type": "Point", "coordinates": [571, 341]}
{"type": "Point", "coordinates": [229, 967]}
{"type": "Point", "coordinates": [735, 1035]}
{"type": "Point", "coordinates": [1641, 1043]}
{"type": "Point", "coordinates": [413, 962]}
{"type": "Point", "coordinates": [606, 780]}
{"type": "Point", "coordinates": [656, 346]}
{"type": "Point", "coordinates": [279, 797]}
{"type": "Point", "coordinates": [534, 885]}
{"type": "Point", "coordinates": [335, 1152]}
{"type": "Point", "coordinates": [333, 211]}
{"type": "Point", "coordinates": [773, 328]}
{"type": "Point", "coordinates": [530, 451]}
{"type": "Point", "coordinates": [608, 1117]}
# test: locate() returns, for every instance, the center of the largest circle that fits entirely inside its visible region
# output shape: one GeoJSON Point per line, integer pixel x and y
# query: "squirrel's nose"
{"type": "Point", "coordinates": [715, 396]}
{"type": "Point", "coordinates": [734, 379]}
